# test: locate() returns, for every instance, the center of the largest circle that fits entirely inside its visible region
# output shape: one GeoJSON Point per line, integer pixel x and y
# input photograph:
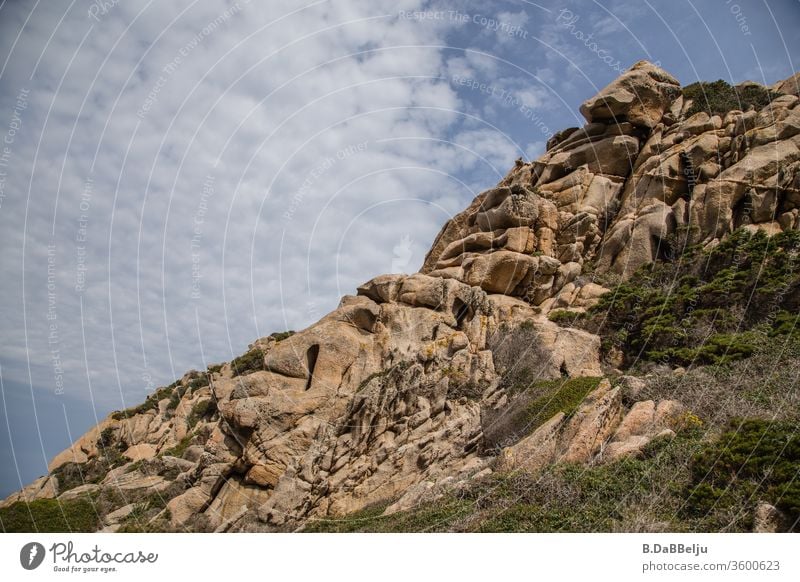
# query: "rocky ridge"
{"type": "Point", "coordinates": [392, 396]}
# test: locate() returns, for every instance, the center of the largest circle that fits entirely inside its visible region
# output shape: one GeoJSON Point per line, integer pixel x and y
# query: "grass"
{"type": "Point", "coordinates": [49, 515]}
{"type": "Point", "coordinates": [432, 517]}
{"type": "Point", "coordinates": [180, 448]}
{"type": "Point", "coordinates": [647, 494]}
{"type": "Point", "coordinates": [533, 406]}
{"type": "Point", "coordinates": [561, 395]}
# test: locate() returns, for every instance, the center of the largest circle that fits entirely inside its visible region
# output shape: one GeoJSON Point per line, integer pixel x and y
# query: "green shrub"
{"type": "Point", "coordinates": [786, 324]}
{"type": "Point", "coordinates": [686, 484]}
{"type": "Point", "coordinates": [174, 400]}
{"type": "Point", "coordinates": [754, 459]}
{"type": "Point", "coordinates": [180, 448]}
{"type": "Point", "coordinates": [69, 476]}
{"type": "Point", "coordinates": [709, 307]}
{"type": "Point", "coordinates": [106, 437]}
{"type": "Point", "coordinates": [564, 317]}
{"type": "Point", "coordinates": [201, 381]}
{"type": "Point", "coordinates": [150, 403]}
{"type": "Point", "coordinates": [215, 368]}
{"type": "Point", "coordinates": [202, 409]}
{"type": "Point", "coordinates": [719, 97]}
{"type": "Point", "coordinates": [141, 519]}
{"type": "Point", "coordinates": [49, 515]}
{"type": "Point", "coordinates": [282, 335]}
{"type": "Point", "coordinates": [250, 361]}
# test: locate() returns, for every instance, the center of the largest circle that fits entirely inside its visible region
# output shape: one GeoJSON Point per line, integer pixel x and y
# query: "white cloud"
{"type": "Point", "coordinates": [257, 103]}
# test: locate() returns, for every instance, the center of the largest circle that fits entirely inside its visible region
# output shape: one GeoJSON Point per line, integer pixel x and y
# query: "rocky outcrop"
{"type": "Point", "coordinates": [43, 488]}
{"type": "Point", "coordinates": [383, 398]}
{"type": "Point", "coordinates": [599, 431]}
{"type": "Point", "coordinates": [640, 96]}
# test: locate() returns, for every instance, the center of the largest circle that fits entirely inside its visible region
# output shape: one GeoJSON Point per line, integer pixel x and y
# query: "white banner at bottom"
{"type": "Point", "coordinates": [401, 557]}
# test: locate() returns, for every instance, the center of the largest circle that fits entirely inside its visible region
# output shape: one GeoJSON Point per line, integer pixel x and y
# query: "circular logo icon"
{"type": "Point", "coordinates": [31, 555]}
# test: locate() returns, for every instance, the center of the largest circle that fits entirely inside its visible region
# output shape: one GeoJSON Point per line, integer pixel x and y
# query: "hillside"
{"type": "Point", "coordinates": [606, 340]}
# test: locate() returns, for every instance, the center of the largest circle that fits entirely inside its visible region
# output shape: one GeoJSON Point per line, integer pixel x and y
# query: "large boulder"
{"type": "Point", "coordinates": [641, 96]}
{"type": "Point", "coordinates": [535, 451]}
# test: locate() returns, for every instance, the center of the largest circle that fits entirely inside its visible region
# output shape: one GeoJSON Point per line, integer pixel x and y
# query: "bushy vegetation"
{"type": "Point", "coordinates": [562, 316]}
{"type": "Point", "coordinates": [49, 515]}
{"type": "Point", "coordinates": [279, 336]}
{"type": "Point", "coordinates": [250, 361]}
{"type": "Point", "coordinates": [150, 403]}
{"type": "Point", "coordinates": [198, 380]}
{"type": "Point", "coordinates": [141, 518]}
{"type": "Point", "coordinates": [202, 409]}
{"type": "Point", "coordinates": [534, 405]}
{"type": "Point", "coordinates": [707, 307]}
{"type": "Point", "coordinates": [753, 460]}
{"type": "Point", "coordinates": [180, 448]}
{"type": "Point", "coordinates": [71, 475]}
{"type": "Point", "coordinates": [719, 97]}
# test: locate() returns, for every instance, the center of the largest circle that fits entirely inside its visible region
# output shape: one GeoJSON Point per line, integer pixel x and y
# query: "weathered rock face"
{"type": "Point", "coordinates": [382, 399]}
{"type": "Point", "coordinates": [641, 96]}
{"type": "Point", "coordinates": [600, 431]}
{"type": "Point", "coordinates": [642, 175]}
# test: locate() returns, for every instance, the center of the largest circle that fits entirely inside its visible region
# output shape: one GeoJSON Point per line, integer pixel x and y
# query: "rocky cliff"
{"type": "Point", "coordinates": [420, 385]}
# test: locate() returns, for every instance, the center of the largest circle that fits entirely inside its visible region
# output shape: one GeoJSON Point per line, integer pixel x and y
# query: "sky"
{"type": "Point", "coordinates": [179, 178]}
